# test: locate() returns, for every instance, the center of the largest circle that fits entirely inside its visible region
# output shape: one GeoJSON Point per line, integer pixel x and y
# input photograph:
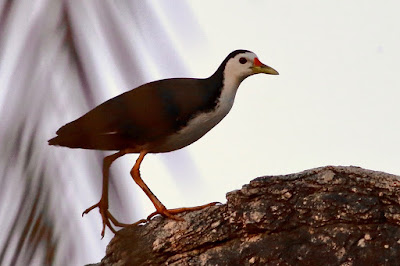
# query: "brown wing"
{"type": "Point", "coordinates": [148, 113]}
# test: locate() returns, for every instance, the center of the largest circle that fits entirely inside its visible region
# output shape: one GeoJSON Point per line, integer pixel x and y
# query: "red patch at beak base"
{"type": "Point", "coordinates": [257, 62]}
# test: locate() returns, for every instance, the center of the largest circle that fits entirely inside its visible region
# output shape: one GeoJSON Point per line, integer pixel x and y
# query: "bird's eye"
{"type": "Point", "coordinates": [243, 60]}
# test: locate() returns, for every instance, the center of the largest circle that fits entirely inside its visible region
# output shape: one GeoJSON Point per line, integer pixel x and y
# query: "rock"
{"type": "Point", "coordinates": [323, 216]}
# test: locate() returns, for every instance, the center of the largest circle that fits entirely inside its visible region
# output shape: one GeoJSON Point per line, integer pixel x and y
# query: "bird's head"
{"type": "Point", "coordinates": [243, 63]}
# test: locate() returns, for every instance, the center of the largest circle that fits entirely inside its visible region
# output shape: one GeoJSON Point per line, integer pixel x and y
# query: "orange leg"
{"type": "Point", "coordinates": [160, 208]}
{"type": "Point", "coordinates": [106, 216]}
{"type": "Point", "coordinates": [109, 220]}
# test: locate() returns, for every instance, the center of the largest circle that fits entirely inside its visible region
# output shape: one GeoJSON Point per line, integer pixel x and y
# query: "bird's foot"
{"type": "Point", "coordinates": [107, 218]}
{"type": "Point", "coordinates": [170, 213]}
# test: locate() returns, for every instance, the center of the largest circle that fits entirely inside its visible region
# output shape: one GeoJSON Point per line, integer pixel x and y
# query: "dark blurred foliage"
{"type": "Point", "coordinates": [59, 59]}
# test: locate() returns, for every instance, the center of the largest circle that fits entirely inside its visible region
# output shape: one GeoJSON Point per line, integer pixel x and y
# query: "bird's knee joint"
{"type": "Point", "coordinates": [135, 171]}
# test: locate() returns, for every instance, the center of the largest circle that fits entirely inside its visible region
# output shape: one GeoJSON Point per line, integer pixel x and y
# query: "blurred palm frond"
{"type": "Point", "coordinates": [58, 59]}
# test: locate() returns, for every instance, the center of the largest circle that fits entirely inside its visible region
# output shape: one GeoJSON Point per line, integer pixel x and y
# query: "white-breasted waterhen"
{"type": "Point", "coordinates": [159, 116]}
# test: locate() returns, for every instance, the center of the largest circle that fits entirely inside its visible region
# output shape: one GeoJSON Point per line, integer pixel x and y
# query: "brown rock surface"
{"type": "Point", "coordinates": [323, 216]}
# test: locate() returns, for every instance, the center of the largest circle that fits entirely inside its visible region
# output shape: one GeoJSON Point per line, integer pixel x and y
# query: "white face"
{"type": "Point", "coordinates": [240, 66]}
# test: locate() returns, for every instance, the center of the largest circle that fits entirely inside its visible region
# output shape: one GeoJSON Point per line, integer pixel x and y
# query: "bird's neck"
{"type": "Point", "coordinates": [226, 85]}
{"type": "Point", "coordinates": [228, 92]}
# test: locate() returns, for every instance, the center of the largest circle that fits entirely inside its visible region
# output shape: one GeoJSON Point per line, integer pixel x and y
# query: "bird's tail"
{"type": "Point", "coordinates": [53, 141]}
{"type": "Point", "coordinates": [73, 141]}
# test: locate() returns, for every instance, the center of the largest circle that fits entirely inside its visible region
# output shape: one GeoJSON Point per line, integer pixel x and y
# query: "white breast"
{"type": "Point", "coordinates": [204, 122]}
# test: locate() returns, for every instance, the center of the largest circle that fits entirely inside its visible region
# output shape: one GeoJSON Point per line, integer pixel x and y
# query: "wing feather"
{"type": "Point", "coordinates": [148, 113]}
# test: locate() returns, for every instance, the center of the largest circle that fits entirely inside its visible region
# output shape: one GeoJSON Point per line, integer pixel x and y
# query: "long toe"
{"type": "Point", "coordinates": [190, 209]}
{"type": "Point", "coordinates": [165, 213]}
{"type": "Point", "coordinates": [119, 224]}
{"type": "Point", "coordinates": [90, 208]}
{"type": "Point", "coordinates": [171, 213]}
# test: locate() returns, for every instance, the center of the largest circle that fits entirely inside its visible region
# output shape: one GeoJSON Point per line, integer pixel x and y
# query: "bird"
{"type": "Point", "coordinates": [158, 117]}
